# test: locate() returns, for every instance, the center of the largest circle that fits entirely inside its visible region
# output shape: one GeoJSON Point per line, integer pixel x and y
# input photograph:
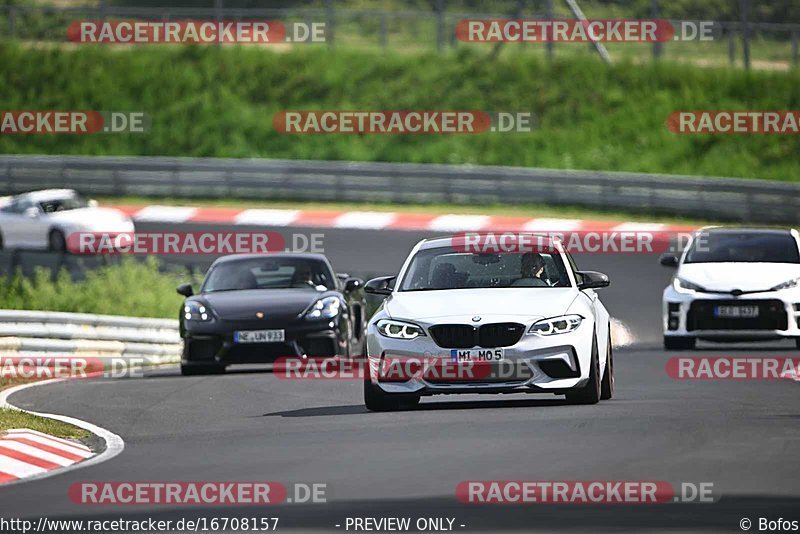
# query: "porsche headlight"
{"type": "Point", "coordinates": [196, 311]}
{"type": "Point", "coordinates": [683, 286]}
{"type": "Point", "coordinates": [326, 308]}
{"type": "Point", "coordinates": [399, 329]}
{"type": "Point", "coordinates": [789, 284]}
{"type": "Point", "coordinates": [556, 325]}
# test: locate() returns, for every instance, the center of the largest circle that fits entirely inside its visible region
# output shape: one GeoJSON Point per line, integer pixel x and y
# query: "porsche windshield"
{"type": "Point", "coordinates": [269, 273]}
{"type": "Point", "coordinates": [445, 268]}
{"type": "Point", "coordinates": [747, 247]}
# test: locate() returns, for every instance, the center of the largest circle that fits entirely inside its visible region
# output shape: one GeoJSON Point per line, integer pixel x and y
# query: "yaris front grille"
{"type": "Point", "coordinates": [771, 316]}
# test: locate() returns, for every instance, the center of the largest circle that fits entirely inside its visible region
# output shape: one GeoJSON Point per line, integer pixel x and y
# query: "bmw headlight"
{"type": "Point", "coordinates": [196, 311]}
{"type": "Point", "coordinates": [683, 286]}
{"type": "Point", "coordinates": [326, 308]}
{"type": "Point", "coordinates": [399, 329]}
{"type": "Point", "coordinates": [789, 284]}
{"type": "Point", "coordinates": [556, 325]}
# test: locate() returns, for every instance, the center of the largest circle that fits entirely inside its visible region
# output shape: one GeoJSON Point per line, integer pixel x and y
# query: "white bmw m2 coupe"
{"type": "Point", "coordinates": [520, 321]}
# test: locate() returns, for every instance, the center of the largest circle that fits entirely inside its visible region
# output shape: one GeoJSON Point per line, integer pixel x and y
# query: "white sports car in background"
{"type": "Point", "coordinates": [45, 219]}
{"type": "Point", "coordinates": [733, 284]}
{"type": "Point", "coordinates": [532, 320]}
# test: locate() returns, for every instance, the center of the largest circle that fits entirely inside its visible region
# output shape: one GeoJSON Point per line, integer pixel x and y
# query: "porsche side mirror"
{"type": "Point", "coordinates": [669, 260]}
{"type": "Point", "coordinates": [351, 284]}
{"type": "Point", "coordinates": [185, 290]}
{"type": "Point", "coordinates": [31, 212]}
{"type": "Point", "coordinates": [379, 286]}
{"type": "Point", "coordinates": [92, 203]}
{"type": "Point", "coordinates": [593, 280]}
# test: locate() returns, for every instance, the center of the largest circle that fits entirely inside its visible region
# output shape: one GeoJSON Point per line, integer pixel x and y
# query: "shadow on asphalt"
{"type": "Point", "coordinates": [423, 407]}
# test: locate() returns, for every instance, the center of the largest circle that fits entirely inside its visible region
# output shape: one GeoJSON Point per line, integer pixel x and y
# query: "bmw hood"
{"type": "Point", "coordinates": [273, 303]}
{"type": "Point", "coordinates": [743, 276]}
{"type": "Point", "coordinates": [532, 303]}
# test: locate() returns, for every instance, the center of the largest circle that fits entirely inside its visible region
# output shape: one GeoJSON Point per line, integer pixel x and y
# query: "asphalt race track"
{"type": "Point", "coordinates": [742, 436]}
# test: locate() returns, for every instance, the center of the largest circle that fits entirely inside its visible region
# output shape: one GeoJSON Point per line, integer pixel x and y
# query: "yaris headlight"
{"type": "Point", "coordinates": [789, 284]}
{"type": "Point", "coordinates": [399, 329]}
{"type": "Point", "coordinates": [556, 325]}
{"type": "Point", "coordinates": [196, 311]}
{"type": "Point", "coordinates": [326, 308]}
{"type": "Point", "coordinates": [682, 285]}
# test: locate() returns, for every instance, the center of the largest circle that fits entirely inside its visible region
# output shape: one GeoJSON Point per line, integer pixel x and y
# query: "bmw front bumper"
{"type": "Point", "coordinates": [535, 363]}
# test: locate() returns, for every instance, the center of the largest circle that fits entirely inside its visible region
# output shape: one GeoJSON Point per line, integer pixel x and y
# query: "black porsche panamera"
{"type": "Point", "coordinates": [255, 308]}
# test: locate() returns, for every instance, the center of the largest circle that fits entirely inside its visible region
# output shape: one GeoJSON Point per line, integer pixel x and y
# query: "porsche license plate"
{"type": "Point", "coordinates": [259, 336]}
{"type": "Point", "coordinates": [736, 312]}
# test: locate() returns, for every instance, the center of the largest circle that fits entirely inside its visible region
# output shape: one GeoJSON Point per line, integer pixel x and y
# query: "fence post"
{"type": "Point", "coordinates": [657, 45]}
{"type": "Point", "coordinates": [439, 25]}
{"type": "Point", "coordinates": [744, 8]}
{"type": "Point", "coordinates": [384, 39]}
{"type": "Point", "coordinates": [330, 21]}
{"type": "Point", "coordinates": [795, 54]}
{"type": "Point", "coordinates": [549, 45]}
{"type": "Point", "coordinates": [12, 21]}
{"type": "Point", "coordinates": [731, 47]}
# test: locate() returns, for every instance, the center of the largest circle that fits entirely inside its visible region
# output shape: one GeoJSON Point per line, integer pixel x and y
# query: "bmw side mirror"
{"type": "Point", "coordinates": [379, 286]}
{"type": "Point", "coordinates": [351, 284]}
{"type": "Point", "coordinates": [593, 280]}
{"type": "Point", "coordinates": [185, 290]}
{"type": "Point", "coordinates": [669, 260]}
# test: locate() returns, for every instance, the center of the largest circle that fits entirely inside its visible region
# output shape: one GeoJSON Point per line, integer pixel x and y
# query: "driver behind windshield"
{"type": "Point", "coordinates": [532, 271]}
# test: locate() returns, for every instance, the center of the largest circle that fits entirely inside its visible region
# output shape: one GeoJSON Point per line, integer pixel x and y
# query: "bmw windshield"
{"type": "Point", "coordinates": [446, 268]}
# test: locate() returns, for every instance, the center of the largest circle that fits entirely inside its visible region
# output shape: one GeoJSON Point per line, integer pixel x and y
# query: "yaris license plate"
{"type": "Point", "coordinates": [259, 336]}
{"type": "Point", "coordinates": [477, 355]}
{"type": "Point", "coordinates": [736, 312]}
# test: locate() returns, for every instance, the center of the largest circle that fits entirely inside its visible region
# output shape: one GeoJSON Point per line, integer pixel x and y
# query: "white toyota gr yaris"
{"type": "Point", "coordinates": [733, 284]}
{"type": "Point", "coordinates": [510, 322]}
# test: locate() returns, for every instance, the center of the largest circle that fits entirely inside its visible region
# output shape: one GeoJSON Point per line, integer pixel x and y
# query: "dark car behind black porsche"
{"type": "Point", "coordinates": [257, 308]}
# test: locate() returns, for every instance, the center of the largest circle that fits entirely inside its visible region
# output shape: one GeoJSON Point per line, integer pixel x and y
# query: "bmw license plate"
{"type": "Point", "coordinates": [259, 336]}
{"type": "Point", "coordinates": [477, 355]}
{"type": "Point", "coordinates": [736, 312]}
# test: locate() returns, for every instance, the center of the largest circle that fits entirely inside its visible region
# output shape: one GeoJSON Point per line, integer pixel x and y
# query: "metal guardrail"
{"type": "Point", "coordinates": [34, 333]}
{"type": "Point", "coordinates": [729, 199]}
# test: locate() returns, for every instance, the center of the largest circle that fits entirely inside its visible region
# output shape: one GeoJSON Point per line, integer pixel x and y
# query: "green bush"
{"type": "Point", "coordinates": [131, 288]}
{"type": "Point", "coordinates": [219, 102]}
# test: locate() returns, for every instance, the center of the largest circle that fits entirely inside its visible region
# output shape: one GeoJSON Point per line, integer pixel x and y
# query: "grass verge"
{"type": "Point", "coordinates": [15, 419]}
{"type": "Point", "coordinates": [129, 287]}
{"type": "Point", "coordinates": [220, 102]}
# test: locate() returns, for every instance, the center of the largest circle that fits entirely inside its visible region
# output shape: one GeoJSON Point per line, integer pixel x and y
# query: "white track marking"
{"type": "Point", "coordinates": [114, 444]}
{"type": "Point", "coordinates": [266, 217]}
